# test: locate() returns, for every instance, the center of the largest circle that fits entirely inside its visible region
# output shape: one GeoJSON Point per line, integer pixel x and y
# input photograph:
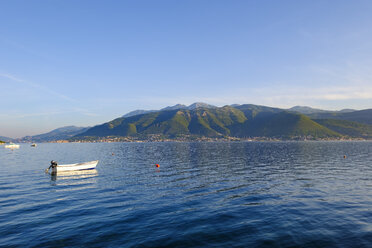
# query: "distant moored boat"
{"type": "Point", "coordinates": [12, 146]}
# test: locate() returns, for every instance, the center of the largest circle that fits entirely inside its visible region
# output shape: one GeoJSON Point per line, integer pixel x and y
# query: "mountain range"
{"type": "Point", "coordinates": [240, 121]}
{"type": "Point", "coordinates": [62, 133]}
{"type": "Point", "coordinates": [308, 110]}
{"type": "Point", "coordinates": [5, 139]}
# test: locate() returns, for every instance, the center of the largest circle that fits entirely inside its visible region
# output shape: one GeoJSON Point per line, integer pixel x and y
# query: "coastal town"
{"type": "Point", "coordinates": [189, 138]}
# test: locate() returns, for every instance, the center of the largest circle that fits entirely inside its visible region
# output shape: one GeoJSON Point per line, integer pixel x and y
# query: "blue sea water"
{"type": "Point", "coordinates": [243, 194]}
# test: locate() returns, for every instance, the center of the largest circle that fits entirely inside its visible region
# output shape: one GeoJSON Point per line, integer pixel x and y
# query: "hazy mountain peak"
{"type": "Point", "coordinates": [6, 139]}
{"type": "Point", "coordinates": [200, 105]}
{"type": "Point", "coordinates": [177, 106]}
{"type": "Point", "coordinates": [142, 111]}
{"type": "Point", "coordinates": [306, 110]}
{"type": "Point", "coordinates": [56, 134]}
{"type": "Point", "coordinates": [137, 112]}
{"type": "Point", "coordinates": [347, 110]}
{"type": "Point", "coordinates": [67, 129]}
{"type": "Point", "coordinates": [174, 107]}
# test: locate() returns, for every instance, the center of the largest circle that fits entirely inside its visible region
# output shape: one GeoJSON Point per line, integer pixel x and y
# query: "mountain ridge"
{"type": "Point", "coordinates": [241, 121]}
{"type": "Point", "coordinates": [5, 139]}
{"type": "Point", "coordinates": [61, 133]}
{"type": "Point", "coordinates": [309, 110]}
{"type": "Point", "coordinates": [236, 120]}
{"type": "Point", "coordinates": [174, 107]}
{"type": "Point", "coordinates": [361, 116]}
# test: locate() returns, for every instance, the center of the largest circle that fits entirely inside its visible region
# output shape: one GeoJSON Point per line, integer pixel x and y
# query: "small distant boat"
{"type": "Point", "coordinates": [12, 146]}
{"type": "Point", "coordinates": [33, 145]}
{"type": "Point", "coordinates": [73, 167]}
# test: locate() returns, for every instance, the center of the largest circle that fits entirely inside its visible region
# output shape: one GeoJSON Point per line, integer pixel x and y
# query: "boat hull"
{"type": "Point", "coordinates": [13, 146]}
{"type": "Point", "coordinates": [73, 167]}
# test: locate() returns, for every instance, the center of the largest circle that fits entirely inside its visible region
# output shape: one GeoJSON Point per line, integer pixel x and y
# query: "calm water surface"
{"type": "Point", "coordinates": [284, 194]}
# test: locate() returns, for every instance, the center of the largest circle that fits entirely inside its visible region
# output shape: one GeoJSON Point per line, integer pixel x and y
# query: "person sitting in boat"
{"type": "Point", "coordinates": [53, 165]}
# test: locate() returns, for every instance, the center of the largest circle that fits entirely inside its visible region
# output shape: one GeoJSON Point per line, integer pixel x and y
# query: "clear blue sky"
{"type": "Point", "coordinates": [67, 62]}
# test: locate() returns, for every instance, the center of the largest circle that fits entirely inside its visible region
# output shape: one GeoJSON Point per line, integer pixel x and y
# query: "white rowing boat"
{"type": "Point", "coordinates": [73, 167]}
{"type": "Point", "coordinates": [12, 146]}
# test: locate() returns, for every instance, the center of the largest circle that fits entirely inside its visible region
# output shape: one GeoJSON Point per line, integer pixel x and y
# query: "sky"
{"type": "Point", "coordinates": [86, 62]}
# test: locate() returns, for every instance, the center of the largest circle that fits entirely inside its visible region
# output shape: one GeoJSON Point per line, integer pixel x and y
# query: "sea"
{"type": "Point", "coordinates": [203, 194]}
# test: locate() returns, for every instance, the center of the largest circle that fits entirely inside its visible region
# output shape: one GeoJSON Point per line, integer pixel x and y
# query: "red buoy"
{"type": "Point", "coordinates": [157, 165]}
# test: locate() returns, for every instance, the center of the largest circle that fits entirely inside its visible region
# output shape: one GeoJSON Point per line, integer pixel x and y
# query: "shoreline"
{"type": "Point", "coordinates": [119, 140]}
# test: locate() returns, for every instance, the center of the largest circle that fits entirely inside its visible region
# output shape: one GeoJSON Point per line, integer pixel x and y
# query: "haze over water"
{"type": "Point", "coordinates": [244, 194]}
